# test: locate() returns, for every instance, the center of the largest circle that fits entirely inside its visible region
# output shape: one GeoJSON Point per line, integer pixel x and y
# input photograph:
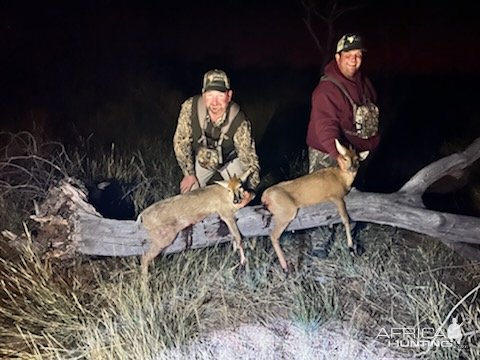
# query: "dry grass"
{"type": "Point", "coordinates": [150, 171]}
{"type": "Point", "coordinates": [200, 305]}
{"type": "Point", "coordinates": [27, 168]}
{"type": "Point", "coordinates": [100, 309]}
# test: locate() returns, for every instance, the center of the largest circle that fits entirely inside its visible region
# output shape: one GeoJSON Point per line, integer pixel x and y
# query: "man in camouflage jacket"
{"type": "Point", "coordinates": [214, 136]}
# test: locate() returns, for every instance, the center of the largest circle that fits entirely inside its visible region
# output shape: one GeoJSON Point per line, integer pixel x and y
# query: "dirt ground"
{"type": "Point", "coordinates": [283, 340]}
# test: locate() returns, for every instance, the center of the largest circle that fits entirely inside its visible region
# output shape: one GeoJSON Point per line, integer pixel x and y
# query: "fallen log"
{"type": "Point", "coordinates": [78, 228]}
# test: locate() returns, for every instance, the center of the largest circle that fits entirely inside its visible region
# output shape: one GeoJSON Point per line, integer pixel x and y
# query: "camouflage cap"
{"type": "Point", "coordinates": [350, 42]}
{"type": "Point", "coordinates": [215, 80]}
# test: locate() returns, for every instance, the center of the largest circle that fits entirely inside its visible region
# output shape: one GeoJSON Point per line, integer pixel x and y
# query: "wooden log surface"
{"type": "Point", "coordinates": [91, 234]}
{"type": "Point", "coordinates": [98, 236]}
{"type": "Point", "coordinates": [403, 209]}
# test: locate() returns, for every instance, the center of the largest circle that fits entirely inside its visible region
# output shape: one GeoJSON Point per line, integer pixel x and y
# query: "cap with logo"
{"type": "Point", "coordinates": [350, 42]}
{"type": "Point", "coordinates": [215, 80]}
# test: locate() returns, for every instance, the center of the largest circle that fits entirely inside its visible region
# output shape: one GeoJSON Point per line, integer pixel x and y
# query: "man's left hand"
{"type": "Point", "coordinates": [247, 197]}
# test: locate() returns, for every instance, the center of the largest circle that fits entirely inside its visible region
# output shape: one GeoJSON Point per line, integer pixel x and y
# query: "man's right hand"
{"type": "Point", "coordinates": [188, 183]}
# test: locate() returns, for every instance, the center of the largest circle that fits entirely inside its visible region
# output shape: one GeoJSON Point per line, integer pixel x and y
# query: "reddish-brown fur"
{"type": "Point", "coordinates": [331, 184]}
{"type": "Point", "coordinates": [165, 219]}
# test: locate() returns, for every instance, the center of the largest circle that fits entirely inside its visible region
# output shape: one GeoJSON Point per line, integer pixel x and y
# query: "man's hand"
{"type": "Point", "coordinates": [247, 197]}
{"type": "Point", "coordinates": [188, 183]}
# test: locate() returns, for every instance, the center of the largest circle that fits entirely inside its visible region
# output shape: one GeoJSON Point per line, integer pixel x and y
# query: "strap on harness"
{"type": "Point", "coordinates": [347, 95]}
{"type": "Point", "coordinates": [232, 111]}
{"type": "Point", "coordinates": [341, 87]}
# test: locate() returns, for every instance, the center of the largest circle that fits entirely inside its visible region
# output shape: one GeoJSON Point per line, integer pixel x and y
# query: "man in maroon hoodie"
{"type": "Point", "coordinates": [341, 93]}
{"type": "Point", "coordinates": [343, 108]}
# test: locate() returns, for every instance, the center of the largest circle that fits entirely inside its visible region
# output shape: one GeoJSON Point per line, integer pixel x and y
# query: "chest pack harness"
{"type": "Point", "coordinates": [365, 116]}
{"type": "Point", "coordinates": [212, 152]}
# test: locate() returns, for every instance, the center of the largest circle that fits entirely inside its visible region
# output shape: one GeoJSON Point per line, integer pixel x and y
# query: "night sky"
{"type": "Point", "coordinates": [424, 36]}
{"type": "Point", "coordinates": [54, 53]}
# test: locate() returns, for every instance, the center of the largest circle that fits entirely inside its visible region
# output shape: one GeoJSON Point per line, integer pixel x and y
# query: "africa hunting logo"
{"type": "Point", "coordinates": [424, 337]}
{"type": "Point", "coordinates": [454, 331]}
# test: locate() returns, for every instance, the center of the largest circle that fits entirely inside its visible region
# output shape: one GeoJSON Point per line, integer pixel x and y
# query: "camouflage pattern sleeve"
{"type": "Point", "coordinates": [245, 147]}
{"type": "Point", "coordinates": [182, 140]}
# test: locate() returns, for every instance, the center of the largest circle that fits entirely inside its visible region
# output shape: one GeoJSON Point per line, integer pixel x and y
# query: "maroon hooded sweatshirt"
{"type": "Point", "coordinates": [331, 115]}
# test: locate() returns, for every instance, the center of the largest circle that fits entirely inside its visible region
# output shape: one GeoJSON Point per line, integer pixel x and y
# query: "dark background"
{"type": "Point", "coordinates": [117, 71]}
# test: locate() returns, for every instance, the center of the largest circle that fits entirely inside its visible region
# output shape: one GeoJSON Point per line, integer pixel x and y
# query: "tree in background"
{"type": "Point", "coordinates": [320, 18]}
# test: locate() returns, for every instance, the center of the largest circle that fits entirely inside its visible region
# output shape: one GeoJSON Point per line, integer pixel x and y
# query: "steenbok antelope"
{"type": "Point", "coordinates": [330, 184]}
{"type": "Point", "coordinates": [163, 220]}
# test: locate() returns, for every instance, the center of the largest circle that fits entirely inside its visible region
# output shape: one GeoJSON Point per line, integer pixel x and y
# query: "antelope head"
{"type": "Point", "coordinates": [349, 159]}
{"type": "Point", "coordinates": [235, 187]}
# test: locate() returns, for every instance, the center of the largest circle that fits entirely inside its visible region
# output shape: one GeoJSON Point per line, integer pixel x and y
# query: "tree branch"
{"type": "Point", "coordinates": [86, 232]}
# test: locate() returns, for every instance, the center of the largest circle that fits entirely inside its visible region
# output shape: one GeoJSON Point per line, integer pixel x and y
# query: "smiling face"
{"type": "Point", "coordinates": [349, 62]}
{"type": "Point", "coordinates": [217, 102]}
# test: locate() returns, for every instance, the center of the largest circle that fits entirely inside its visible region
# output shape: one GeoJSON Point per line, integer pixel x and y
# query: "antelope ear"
{"type": "Point", "coordinates": [223, 183]}
{"type": "Point", "coordinates": [342, 150]}
{"type": "Point", "coordinates": [363, 155]}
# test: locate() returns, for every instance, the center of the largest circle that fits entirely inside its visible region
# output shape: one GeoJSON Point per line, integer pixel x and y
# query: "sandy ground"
{"type": "Point", "coordinates": [282, 340]}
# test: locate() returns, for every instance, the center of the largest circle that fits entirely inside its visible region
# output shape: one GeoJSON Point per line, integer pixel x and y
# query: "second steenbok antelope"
{"type": "Point", "coordinates": [166, 218]}
{"type": "Point", "coordinates": [330, 184]}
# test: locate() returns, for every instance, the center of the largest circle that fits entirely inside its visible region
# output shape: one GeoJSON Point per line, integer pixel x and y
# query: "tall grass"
{"type": "Point", "coordinates": [201, 305]}
{"type": "Point", "coordinates": [149, 173]}
{"type": "Point", "coordinates": [100, 309]}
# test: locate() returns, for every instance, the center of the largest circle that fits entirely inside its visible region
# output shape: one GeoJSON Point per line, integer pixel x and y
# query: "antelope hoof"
{"type": "Point", "coordinates": [356, 250]}
{"type": "Point", "coordinates": [288, 270]}
{"type": "Point", "coordinates": [241, 269]}
{"type": "Point", "coordinates": [353, 250]}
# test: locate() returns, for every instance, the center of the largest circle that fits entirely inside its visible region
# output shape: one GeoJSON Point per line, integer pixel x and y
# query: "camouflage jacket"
{"type": "Point", "coordinates": [243, 142]}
